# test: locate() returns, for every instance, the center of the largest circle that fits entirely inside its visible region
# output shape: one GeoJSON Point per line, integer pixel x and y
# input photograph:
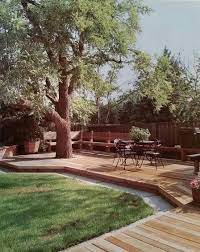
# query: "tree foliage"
{"type": "Point", "coordinates": [55, 44]}
{"type": "Point", "coordinates": [152, 79]}
{"type": "Point", "coordinates": [164, 90]}
{"type": "Point", "coordinates": [35, 35]}
{"type": "Point", "coordinates": [82, 110]}
{"type": "Point", "coordinates": [188, 106]}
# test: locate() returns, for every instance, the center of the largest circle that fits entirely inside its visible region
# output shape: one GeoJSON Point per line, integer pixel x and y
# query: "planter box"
{"type": "Point", "coordinates": [196, 195]}
{"type": "Point", "coordinates": [31, 147]}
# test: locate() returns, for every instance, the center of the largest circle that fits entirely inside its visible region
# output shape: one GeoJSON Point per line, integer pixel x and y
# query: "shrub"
{"type": "Point", "coordinates": [139, 134]}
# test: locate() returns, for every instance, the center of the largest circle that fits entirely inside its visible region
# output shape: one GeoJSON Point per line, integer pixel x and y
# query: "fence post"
{"type": "Point", "coordinates": [81, 140]}
{"type": "Point", "coordinates": [108, 141]}
{"type": "Point", "coordinates": [91, 140]}
{"type": "Point", "coordinates": [183, 156]}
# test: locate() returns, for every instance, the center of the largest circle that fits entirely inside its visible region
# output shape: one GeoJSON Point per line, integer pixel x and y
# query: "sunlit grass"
{"type": "Point", "coordinates": [50, 213]}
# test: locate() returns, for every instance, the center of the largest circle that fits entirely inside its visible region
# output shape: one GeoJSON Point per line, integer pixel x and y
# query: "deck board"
{"type": "Point", "coordinates": [122, 243]}
{"type": "Point", "coordinates": [183, 232]}
{"type": "Point", "coordinates": [183, 244]}
{"type": "Point", "coordinates": [107, 246]}
{"type": "Point", "coordinates": [152, 239]}
{"type": "Point", "coordinates": [179, 223]}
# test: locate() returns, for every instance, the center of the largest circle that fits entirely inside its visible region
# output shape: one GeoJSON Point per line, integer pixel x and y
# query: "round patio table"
{"type": "Point", "coordinates": [140, 148]}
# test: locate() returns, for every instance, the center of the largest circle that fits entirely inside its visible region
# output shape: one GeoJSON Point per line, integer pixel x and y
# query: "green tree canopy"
{"type": "Point", "coordinates": [164, 90]}
{"type": "Point", "coordinates": [56, 43]}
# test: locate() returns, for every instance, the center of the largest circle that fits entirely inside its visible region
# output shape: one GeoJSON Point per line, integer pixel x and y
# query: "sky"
{"type": "Point", "coordinates": [172, 23]}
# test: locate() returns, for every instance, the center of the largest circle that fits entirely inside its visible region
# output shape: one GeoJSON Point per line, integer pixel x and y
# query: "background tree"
{"type": "Point", "coordinates": [161, 90]}
{"type": "Point", "coordinates": [152, 81]}
{"type": "Point", "coordinates": [162, 84]}
{"type": "Point", "coordinates": [102, 89]}
{"type": "Point", "coordinates": [112, 92]}
{"type": "Point", "coordinates": [83, 109]}
{"type": "Point", "coordinates": [67, 37]}
{"type": "Point", "coordinates": [188, 106]}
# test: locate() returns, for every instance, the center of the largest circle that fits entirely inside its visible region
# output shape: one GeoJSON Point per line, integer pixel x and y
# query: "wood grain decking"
{"type": "Point", "coordinates": [171, 182]}
{"type": "Point", "coordinates": [177, 230]}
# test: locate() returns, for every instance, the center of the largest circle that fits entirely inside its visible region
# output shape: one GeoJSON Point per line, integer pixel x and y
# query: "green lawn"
{"type": "Point", "coordinates": [50, 213]}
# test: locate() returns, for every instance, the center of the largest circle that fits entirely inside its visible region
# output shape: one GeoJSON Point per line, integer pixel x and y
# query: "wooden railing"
{"type": "Point", "coordinates": [167, 132]}
{"type": "Point", "coordinates": [105, 140]}
{"type": "Point", "coordinates": [102, 139]}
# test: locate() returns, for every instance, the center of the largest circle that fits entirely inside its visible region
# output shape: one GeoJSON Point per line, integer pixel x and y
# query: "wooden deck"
{"type": "Point", "coordinates": [171, 182]}
{"type": "Point", "coordinates": [177, 230]}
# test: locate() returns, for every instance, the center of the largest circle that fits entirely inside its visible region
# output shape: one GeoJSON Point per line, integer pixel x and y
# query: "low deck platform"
{"type": "Point", "coordinates": [171, 182]}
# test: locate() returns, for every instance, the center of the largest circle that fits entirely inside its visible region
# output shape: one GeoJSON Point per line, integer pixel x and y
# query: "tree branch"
{"type": "Point", "coordinates": [102, 57]}
{"type": "Point", "coordinates": [53, 116]}
{"type": "Point", "coordinates": [37, 28]}
{"type": "Point", "coordinates": [71, 85]}
{"type": "Point", "coordinates": [81, 43]}
{"type": "Point", "coordinates": [50, 97]}
{"type": "Point", "coordinates": [78, 46]}
{"type": "Point", "coordinates": [74, 78]}
{"type": "Point", "coordinates": [24, 2]}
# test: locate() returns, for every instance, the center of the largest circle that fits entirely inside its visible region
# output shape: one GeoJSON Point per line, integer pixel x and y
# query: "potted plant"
{"type": "Point", "coordinates": [195, 185]}
{"type": "Point", "coordinates": [139, 134]}
{"type": "Point", "coordinates": [32, 139]}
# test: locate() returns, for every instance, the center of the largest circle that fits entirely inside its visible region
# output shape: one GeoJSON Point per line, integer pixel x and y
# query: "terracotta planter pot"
{"type": "Point", "coordinates": [31, 146]}
{"type": "Point", "coordinates": [196, 195]}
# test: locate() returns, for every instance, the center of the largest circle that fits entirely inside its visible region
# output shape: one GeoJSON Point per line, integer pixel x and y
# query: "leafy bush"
{"type": "Point", "coordinates": [139, 134]}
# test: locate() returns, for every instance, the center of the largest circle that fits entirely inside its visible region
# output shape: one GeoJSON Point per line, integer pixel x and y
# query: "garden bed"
{"type": "Point", "coordinates": [50, 213]}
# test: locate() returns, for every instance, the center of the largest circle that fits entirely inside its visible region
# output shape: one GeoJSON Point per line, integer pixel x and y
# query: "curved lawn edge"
{"type": "Point", "coordinates": [51, 212]}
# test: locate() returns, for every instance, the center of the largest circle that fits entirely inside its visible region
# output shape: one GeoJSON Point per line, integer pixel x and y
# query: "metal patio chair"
{"type": "Point", "coordinates": [123, 151]}
{"type": "Point", "coordinates": [154, 155]}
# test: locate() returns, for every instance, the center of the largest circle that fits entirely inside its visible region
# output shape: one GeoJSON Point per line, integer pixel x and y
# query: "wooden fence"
{"type": "Point", "coordinates": [168, 132]}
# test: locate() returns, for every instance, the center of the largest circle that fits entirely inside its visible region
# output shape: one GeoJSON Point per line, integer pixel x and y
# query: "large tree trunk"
{"type": "Point", "coordinates": [61, 115]}
{"type": "Point", "coordinates": [63, 130]}
{"type": "Point", "coordinates": [62, 120]}
{"type": "Point", "coordinates": [63, 124]}
{"type": "Point", "coordinates": [64, 144]}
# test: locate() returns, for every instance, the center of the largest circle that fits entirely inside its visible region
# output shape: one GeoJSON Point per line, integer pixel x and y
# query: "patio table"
{"type": "Point", "coordinates": [140, 148]}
